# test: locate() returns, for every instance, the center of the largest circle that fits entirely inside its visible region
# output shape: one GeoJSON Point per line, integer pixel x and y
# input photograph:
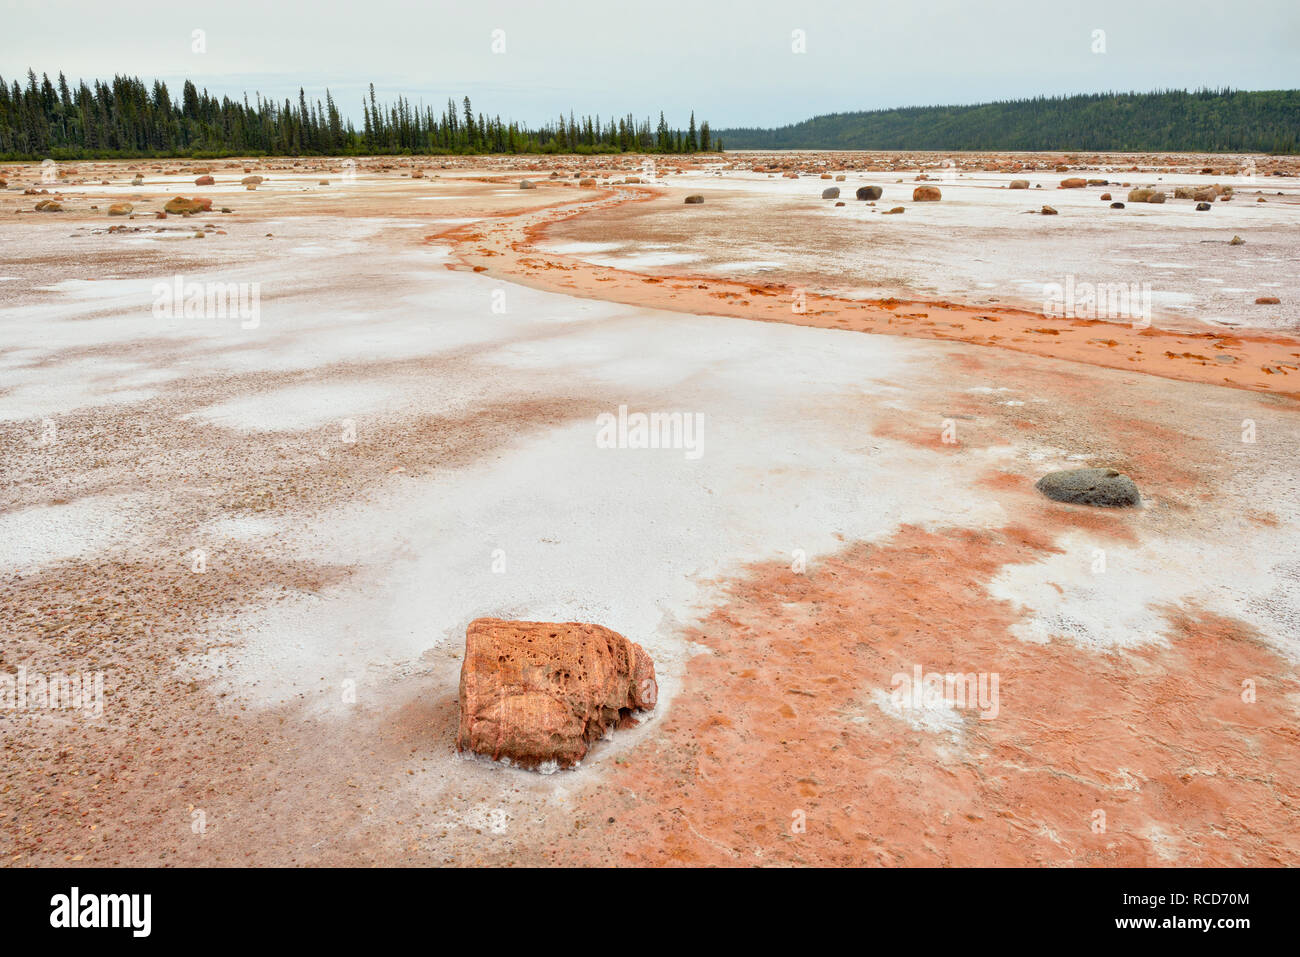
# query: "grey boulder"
{"type": "Point", "coordinates": [1104, 487]}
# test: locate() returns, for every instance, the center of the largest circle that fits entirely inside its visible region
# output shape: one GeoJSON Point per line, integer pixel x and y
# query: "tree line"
{"type": "Point", "coordinates": [125, 118]}
{"type": "Point", "coordinates": [1211, 121]}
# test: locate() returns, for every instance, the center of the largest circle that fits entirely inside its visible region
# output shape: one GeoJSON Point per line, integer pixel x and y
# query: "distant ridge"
{"type": "Point", "coordinates": [1210, 121]}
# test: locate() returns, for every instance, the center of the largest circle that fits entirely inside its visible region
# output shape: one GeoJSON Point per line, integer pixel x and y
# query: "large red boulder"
{"type": "Point", "coordinates": [537, 692]}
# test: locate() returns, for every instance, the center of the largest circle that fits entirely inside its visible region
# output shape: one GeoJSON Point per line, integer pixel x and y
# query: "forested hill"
{"type": "Point", "coordinates": [1204, 121]}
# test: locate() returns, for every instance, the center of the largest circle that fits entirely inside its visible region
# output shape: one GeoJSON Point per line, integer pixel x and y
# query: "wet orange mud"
{"type": "Point", "coordinates": [506, 247]}
{"type": "Point", "coordinates": [778, 749]}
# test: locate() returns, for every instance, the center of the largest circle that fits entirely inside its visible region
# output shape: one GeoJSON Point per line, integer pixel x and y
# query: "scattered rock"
{"type": "Point", "coordinates": [1105, 197]}
{"type": "Point", "coordinates": [1202, 207]}
{"type": "Point", "coordinates": [181, 205]}
{"type": "Point", "coordinates": [49, 206]}
{"type": "Point", "coordinates": [694, 199]}
{"type": "Point", "coordinates": [1236, 241]}
{"type": "Point", "coordinates": [205, 181]}
{"type": "Point", "coordinates": [323, 182]}
{"type": "Point", "coordinates": [539, 692]}
{"type": "Point", "coordinates": [869, 192]}
{"type": "Point", "coordinates": [1145, 196]}
{"type": "Point", "coordinates": [120, 209]}
{"type": "Point", "coordinates": [587, 182]}
{"type": "Point", "coordinates": [526, 184]}
{"type": "Point", "coordinates": [1074, 182]}
{"type": "Point", "coordinates": [1049, 211]}
{"type": "Point", "coordinates": [926, 194]}
{"type": "Point", "coordinates": [251, 181]}
{"type": "Point", "coordinates": [1116, 205]}
{"type": "Point", "coordinates": [832, 192]}
{"type": "Point", "coordinates": [1019, 184]}
{"type": "Point", "coordinates": [890, 212]}
{"type": "Point", "coordinates": [1268, 301]}
{"type": "Point", "coordinates": [1104, 487]}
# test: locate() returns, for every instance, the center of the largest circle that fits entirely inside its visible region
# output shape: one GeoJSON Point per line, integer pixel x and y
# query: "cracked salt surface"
{"type": "Point", "coordinates": [1127, 604]}
{"type": "Point", "coordinates": [299, 407]}
{"type": "Point", "coordinates": [932, 719]}
{"type": "Point", "coordinates": [646, 260]}
{"type": "Point", "coordinates": [32, 538]}
{"type": "Point", "coordinates": [578, 248]}
{"type": "Point", "coordinates": [750, 265]}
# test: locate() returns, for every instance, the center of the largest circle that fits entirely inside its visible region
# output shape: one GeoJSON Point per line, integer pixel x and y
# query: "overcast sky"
{"type": "Point", "coordinates": [733, 62]}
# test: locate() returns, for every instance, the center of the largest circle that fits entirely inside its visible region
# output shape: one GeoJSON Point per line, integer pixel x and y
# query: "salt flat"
{"type": "Point", "coordinates": [272, 538]}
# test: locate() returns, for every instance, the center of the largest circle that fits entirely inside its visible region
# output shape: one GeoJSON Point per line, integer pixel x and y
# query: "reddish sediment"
{"type": "Point", "coordinates": [507, 247]}
{"type": "Point", "coordinates": [778, 751]}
